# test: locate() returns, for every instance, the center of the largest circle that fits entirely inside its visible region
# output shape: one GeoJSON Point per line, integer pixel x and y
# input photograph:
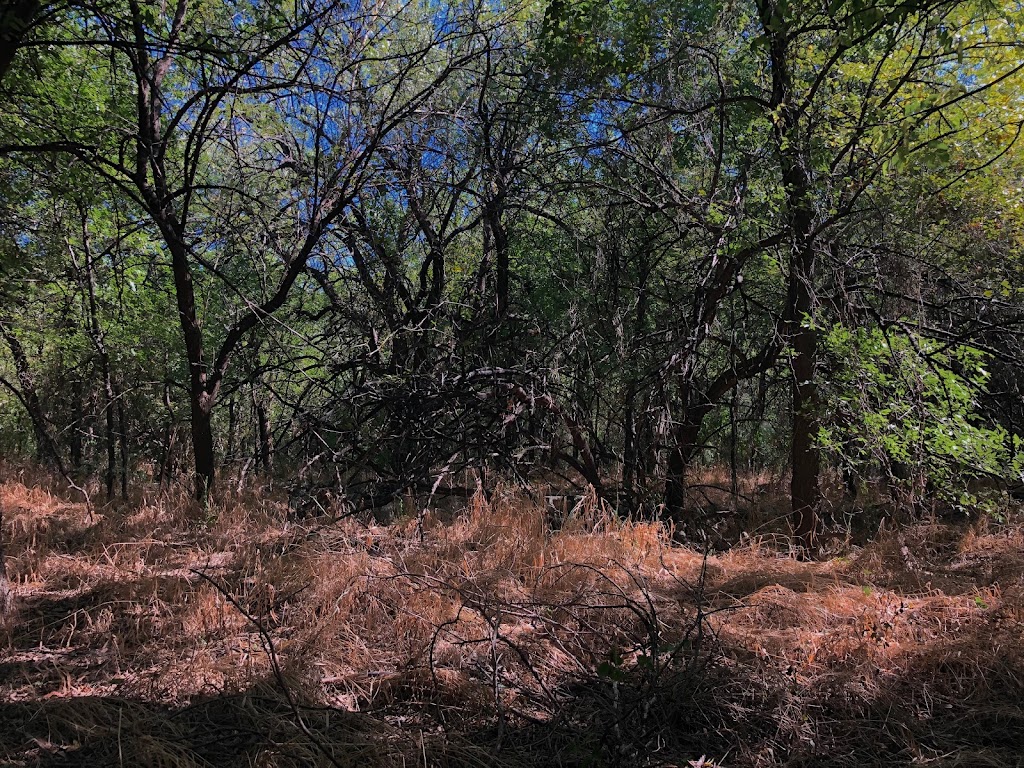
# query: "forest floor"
{"type": "Point", "coordinates": [145, 634]}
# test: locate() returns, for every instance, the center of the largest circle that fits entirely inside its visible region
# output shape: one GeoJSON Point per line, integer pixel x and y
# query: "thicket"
{"type": "Point", "coordinates": [385, 251]}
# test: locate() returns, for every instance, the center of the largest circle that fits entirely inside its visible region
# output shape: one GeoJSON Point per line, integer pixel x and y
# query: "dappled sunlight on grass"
{"type": "Point", "coordinates": [497, 637]}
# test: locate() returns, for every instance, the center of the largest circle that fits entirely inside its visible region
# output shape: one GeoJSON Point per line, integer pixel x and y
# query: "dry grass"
{"type": "Point", "coordinates": [146, 634]}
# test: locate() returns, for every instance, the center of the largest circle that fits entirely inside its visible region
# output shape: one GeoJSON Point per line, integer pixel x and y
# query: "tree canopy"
{"type": "Point", "coordinates": [376, 247]}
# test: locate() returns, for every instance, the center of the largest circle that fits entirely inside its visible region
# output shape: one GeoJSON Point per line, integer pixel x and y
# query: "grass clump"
{"type": "Point", "coordinates": [495, 638]}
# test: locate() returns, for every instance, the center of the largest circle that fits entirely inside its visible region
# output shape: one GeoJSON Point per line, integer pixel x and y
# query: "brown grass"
{"type": "Point", "coordinates": [145, 633]}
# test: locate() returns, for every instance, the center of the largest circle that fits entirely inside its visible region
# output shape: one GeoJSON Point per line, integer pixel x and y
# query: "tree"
{"type": "Point", "coordinates": [16, 20]}
{"type": "Point", "coordinates": [404, 241]}
{"type": "Point", "coordinates": [828, 100]}
{"type": "Point", "coordinates": [207, 151]}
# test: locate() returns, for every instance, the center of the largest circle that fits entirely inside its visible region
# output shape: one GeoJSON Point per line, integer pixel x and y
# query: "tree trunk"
{"type": "Point", "coordinates": [111, 443]}
{"type": "Point", "coordinates": [805, 456]}
{"type": "Point", "coordinates": [757, 420]}
{"type": "Point", "coordinates": [98, 338]}
{"type": "Point", "coordinates": [629, 453]}
{"type": "Point", "coordinates": [200, 399]}
{"type": "Point", "coordinates": [229, 452]}
{"type": "Point", "coordinates": [684, 445]}
{"type": "Point", "coordinates": [167, 451]}
{"type": "Point", "coordinates": [202, 446]}
{"type": "Point", "coordinates": [122, 434]}
{"type": "Point", "coordinates": [500, 240]}
{"type": "Point", "coordinates": [46, 448]}
{"type": "Point", "coordinates": [6, 593]}
{"type": "Point", "coordinates": [151, 179]}
{"type": "Point", "coordinates": [795, 166]}
{"type": "Point", "coordinates": [734, 480]}
{"type": "Point", "coordinates": [16, 18]}
{"type": "Point", "coordinates": [266, 447]}
{"type": "Point", "coordinates": [75, 436]}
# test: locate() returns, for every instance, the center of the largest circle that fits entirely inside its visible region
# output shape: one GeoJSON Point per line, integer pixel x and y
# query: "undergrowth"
{"type": "Point", "coordinates": [146, 633]}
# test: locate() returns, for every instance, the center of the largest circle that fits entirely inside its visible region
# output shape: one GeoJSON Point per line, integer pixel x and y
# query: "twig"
{"type": "Point", "coordinates": [268, 647]}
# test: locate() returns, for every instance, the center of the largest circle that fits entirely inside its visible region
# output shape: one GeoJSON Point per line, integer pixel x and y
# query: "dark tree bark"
{"type": "Point", "coordinates": [266, 435]}
{"type": "Point", "coordinates": [16, 19]}
{"type": "Point", "coordinates": [583, 461]}
{"type": "Point", "coordinates": [78, 417]}
{"type": "Point", "coordinates": [701, 402]}
{"type": "Point", "coordinates": [6, 593]}
{"type": "Point", "coordinates": [805, 456]}
{"type": "Point", "coordinates": [684, 445]}
{"type": "Point", "coordinates": [795, 166]}
{"type": "Point", "coordinates": [111, 444]}
{"type": "Point", "coordinates": [167, 449]}
{"type": "Point", "coordinates": [97, 336]}
{"type": "Point", "coordinates": [757, 418]}
{"type": "Point", "coordinates": [229, 452]}
{"type": "Point", "coordinates": [202, 445]}
{"type": "Point", "coordinates": [697, 400]}
{"type": "Point", "coordinates": [629, 451]}
{"type": "Point", "coordinates": [122, 433]}
{"type": "Point", "coordinates": [46, 447]}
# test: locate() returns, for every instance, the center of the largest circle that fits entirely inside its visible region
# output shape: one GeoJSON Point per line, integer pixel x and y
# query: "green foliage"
{"type": "Point", "coordinates": [897, 398]}
{"type": "Point", "coordinates": [634, 172]}
{"type": "Point", "coordinates": [602, 35]}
